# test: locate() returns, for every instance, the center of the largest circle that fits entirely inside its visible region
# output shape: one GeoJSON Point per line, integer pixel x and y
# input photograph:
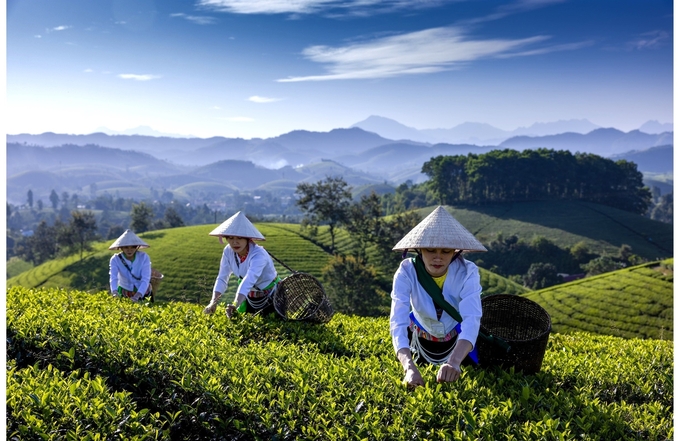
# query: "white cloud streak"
{"type": "Point", "coordinates": [358, 7]}
{"type": "Point", "coordinates": [649, 40]}
{"type": "Point", "coordinates": [137, 77]}
{"type": "Point", "coordinates": [198, 19]}
{"type": "Point", "coordinates": [262, 99]}
{"type": "Point", "coordinates": [422, 52]}
{"type": "Point", "coordinates": [57, 29]}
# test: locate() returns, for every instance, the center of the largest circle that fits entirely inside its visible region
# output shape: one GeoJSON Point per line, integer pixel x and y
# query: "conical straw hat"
{"type": "Point", "coordinates": [440, 230]}
{"type": "Point", "coordinates": [237, 225]}
{"type": "Point", "coordinates": [128, 239]}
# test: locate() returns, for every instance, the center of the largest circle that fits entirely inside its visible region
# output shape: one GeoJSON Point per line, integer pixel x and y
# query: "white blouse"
{"type": "Point", "coordinates": [257, 271]}
{"type": "Point", "coordinates": [461, 289]}
{"type": "Point", "coordinates": [119, 275]}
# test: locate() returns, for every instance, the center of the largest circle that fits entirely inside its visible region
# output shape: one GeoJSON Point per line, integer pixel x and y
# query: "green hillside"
{"type": "Point", "coordinates": [604, 229]}
{"type": "Point", "coordinates": [189, 259]}
{"type": "Point", "coordinates": [634, 302]}
{"type": "Point", "coordinates": [89, 366]}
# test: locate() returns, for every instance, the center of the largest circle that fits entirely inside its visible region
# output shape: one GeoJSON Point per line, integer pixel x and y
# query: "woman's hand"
{"type": "Point", "coordinates": [412, 378]}
{"type": "Point", "coordinates": [231, 308]}
{"type": "Point", "coordinates": [448, 372]}
{"type": "Point", "coordinates": [213, 304]}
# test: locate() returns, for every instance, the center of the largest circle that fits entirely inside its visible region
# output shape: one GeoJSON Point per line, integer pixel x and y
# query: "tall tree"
{"type": "Point", "coordinates": [84, 228]}
{"type": "Point", "coordinates": [54, 199]}
{"type": "Point", "coordinates": [142, 217]}
{"type": "Point", "coordinates": [325, 201]}
{"type": "Point", "coordinates": [172, 218]}
{"type": "Point", "coordinates": [364, 224]}
{"type": "Point", "coordinates": [30, 198]}
{"type": "Point", "coordinates": [351, 286]}
{"type": "Point", "coordinates": [64, 199]}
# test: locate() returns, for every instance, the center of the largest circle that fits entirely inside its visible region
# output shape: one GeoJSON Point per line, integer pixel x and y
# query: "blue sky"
{"type": "Point", "coordinates": [261, 68]}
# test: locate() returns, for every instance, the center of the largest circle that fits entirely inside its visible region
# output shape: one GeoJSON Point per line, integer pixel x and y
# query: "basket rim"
{"type": "Point", "coordinates": [519, 298]}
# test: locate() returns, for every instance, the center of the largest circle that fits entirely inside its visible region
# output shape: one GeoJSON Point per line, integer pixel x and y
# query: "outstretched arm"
{"type": "Point", "coordinates": [412, 375]}
{"type": "Point", "coordinates": [450, 371]}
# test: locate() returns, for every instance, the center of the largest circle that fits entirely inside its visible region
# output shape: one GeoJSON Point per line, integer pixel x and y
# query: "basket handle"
{"type": "Point", "coordinates": [284, 265]}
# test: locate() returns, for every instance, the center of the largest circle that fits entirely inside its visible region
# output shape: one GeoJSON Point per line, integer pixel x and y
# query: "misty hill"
{"type": "Point", "coordinates": [133, 164]}
{"type": "Point", "coordinates": [294, 148]}
{"type": "Point", "coordinates": [603, 142]}
{"type": "Point", "coordinates": [656, 159]}
{"type": "Point", "coordinates": [29, 157]}
{"type": "Point", "coordinates": [469, 132]}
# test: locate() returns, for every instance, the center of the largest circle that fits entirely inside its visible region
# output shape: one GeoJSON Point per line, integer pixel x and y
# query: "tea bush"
{"type": "Point", "coordinates": [168, 371]}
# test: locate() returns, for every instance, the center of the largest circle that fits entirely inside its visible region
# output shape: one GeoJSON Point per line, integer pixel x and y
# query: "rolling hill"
{"type": "Point", "coordinates": [189, 259]}
{"type": "Point", "coordinates": [634, 302]}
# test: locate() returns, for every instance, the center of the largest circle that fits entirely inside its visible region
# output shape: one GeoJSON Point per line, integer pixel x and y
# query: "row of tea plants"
{"type": "Point", "coordinates": [89, 366]}
{"type": "Point", "coordinates": [631, 302]}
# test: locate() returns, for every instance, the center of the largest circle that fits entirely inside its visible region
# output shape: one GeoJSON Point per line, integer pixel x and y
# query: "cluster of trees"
{"type": "Point", "coordinates": [65, 236]}
{"type": "Point", "coordinates": [509, 175]}
{"type": "Point", "coordinates": [538, 263]}
{"type": "Point", "coordinates": [351, 283]}
{"type": "Point", "coordinates": [49, 241]}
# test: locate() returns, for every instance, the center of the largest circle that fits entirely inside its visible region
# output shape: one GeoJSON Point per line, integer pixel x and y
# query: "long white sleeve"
{"type": "Point", "coordinates": [256, 272]}
{"type": "Point", "coordinates": [119, 275]}
{"type": "Point", "coordinates": [462, 289]}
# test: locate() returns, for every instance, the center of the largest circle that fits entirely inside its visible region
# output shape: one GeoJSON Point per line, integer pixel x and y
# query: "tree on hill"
{"type": "Point", "coordinates": [29, 196]}
{"type": "Point", "coordinates": [541, 275]}
{"type": "Point", "coordinates": [142, 217]}
{"type": "Point", "coordinates": [536, 174]}
{"type": "Point", "coordinates": [54, 199]}
{"type": "Point", "coordinates": [172, 218]}
{"type": "Point", "coordinates": [325, 201]}
{"type": "Point", "coordinates": [83, 227]}
{"type": "Point", "coordinates": [351, 286]}
{"type": "Point", "coordinates": [41, 246]}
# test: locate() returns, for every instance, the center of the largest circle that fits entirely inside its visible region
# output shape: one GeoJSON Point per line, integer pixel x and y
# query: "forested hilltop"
{"type": "Point", "coordinates": [540, 174]}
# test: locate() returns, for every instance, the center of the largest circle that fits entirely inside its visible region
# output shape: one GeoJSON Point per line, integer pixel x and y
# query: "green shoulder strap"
{"type": "Point", "coordinates": [431, 287]}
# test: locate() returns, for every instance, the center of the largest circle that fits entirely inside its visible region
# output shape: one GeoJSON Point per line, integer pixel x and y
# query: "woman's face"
{"type": "Point", "coordinates": [129, 251]}
{"type": "Point", "coordinates": [437, 260]}
{"type": "Point", "coordinates": [238, 244]}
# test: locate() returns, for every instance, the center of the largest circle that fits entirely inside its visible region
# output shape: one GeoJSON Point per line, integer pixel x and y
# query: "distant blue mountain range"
{"type": "Point", "coordinates": [125, 164]}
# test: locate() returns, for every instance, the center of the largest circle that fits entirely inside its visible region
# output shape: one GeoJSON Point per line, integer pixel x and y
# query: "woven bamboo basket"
{"type": "Point", "coordinates": [301, 297]}
{"type": "Point", "coordinates": [156, 278]}
{"type": "Point", "coordinates": [523, 323]}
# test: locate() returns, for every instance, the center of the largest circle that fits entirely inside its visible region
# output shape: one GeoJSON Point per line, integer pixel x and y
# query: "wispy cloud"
{"type": "Point", "coordinates": [137, 77]}
{"type": "Point", "coordinates": [57, 29]}
{"type": "Point", "coordinates": [354, 7]}
{"type": "Point", "coordinates": [649, 40]}
{"type": "Point", "coordinates": [262, 99]}
{"type": "Point", "coordinates": [198, 19]}
{"type": "Point", "coordinates": [427, 51]}
{"type": "Point", "coordinates": [511, 8]}
{"type": "Point", "coordinates": [88, 70]}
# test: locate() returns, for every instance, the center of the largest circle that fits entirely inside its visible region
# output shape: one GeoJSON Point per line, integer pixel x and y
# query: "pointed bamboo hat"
{"type": "Point", "coordinates": [128, 239]}
{"type": "Point", "coordinates": [237, 225]}
{"type": "Point", "coordinates": [440, 230]}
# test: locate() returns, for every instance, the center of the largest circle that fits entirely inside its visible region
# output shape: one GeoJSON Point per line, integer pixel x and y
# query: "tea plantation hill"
{"type": "Point", "coordinates": [635, 302]}
{"type": "Point", "coordinates": [189, 259]}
